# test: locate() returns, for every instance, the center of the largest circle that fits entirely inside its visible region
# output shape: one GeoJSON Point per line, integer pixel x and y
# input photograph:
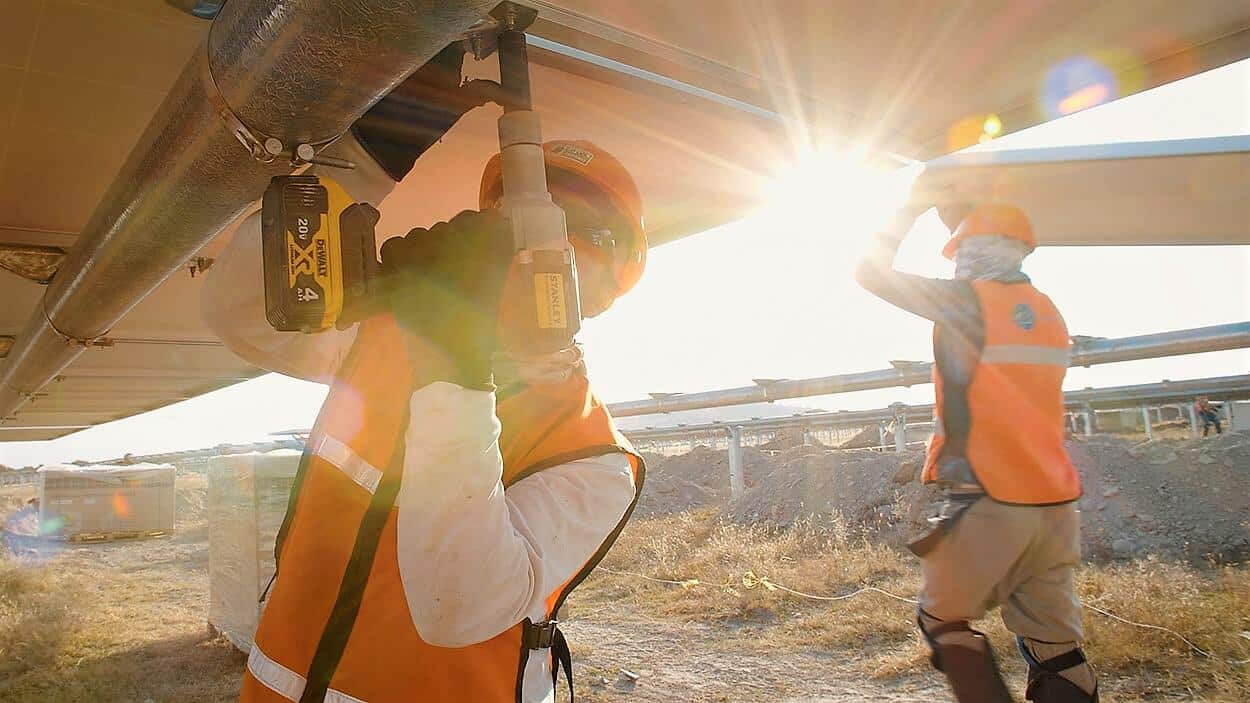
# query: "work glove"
{"type": "Point", "coordinates": [444, 286]}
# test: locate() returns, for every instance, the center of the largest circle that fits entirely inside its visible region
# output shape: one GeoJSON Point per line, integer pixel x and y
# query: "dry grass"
{"type": "Point", "coordinates": [125, 622]}
{"type": "Point", "coordinates": [1211, 607]}
{"type": "Point", "coordinates": [36, 617]}
{"type": "Point", "coordinates": [68, 635]}
{"type": "Point", "coordinates": [111, 622]}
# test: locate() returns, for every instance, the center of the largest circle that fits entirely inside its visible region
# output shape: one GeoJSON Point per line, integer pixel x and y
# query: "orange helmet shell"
{"type": "Point", "coordinates": [607, 175]}
{"type": "Point", "coordinates": [992, 220]}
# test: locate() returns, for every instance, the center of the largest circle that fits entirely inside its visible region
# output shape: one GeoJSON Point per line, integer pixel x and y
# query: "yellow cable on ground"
{"type": "Point", "coordinates": [750, 580]}
{"type": "Point", "coordinates": [1147, 626]}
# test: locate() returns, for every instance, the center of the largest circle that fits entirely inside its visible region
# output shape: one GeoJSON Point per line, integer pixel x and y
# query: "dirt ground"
{"type": "Point", "coordinates": [692, 657]}
{"type": "Point", "coordinates": [126, 621]}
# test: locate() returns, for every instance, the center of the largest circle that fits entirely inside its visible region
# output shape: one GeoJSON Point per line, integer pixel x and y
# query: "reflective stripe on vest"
{"type": "Point", "coordinates": [336, 628]}
{"type": "Point", "coordinates": [1007, 422]}
{"type": "Point", "coordinates": [277, 678]}
{"type": "Point", "coordinates": [1025, 354]}
{"type": "Point", "coordinates": [361, 472]}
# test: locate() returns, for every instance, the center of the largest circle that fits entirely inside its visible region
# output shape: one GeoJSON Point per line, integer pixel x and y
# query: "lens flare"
{"type": "Point", "coordinates": [1085, 98]}
{"type": "Point", "coordinates": [993, 125]}
{"type": "Point", "coordinates": [1085, 81]}
{"type": "Point", "coordinates": [836, 197]}
{"type": "Point", "coordinates": [121, 505]}
{"type": "Point", "coordinates": [51, 526]}
{"type": "Point", "coordinates": [974, 129]}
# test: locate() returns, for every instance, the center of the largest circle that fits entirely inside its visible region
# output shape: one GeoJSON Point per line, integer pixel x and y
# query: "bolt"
{"type": "Point", "coordinates": [273, 146]}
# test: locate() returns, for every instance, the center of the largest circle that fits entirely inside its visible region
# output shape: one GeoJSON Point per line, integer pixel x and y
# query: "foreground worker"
{"type": "Point", "coordinates": [1009, 532]}
{"type": "Point", "coordinates": [451, 494]}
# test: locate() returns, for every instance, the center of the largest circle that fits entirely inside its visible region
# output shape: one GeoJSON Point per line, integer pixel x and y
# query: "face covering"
{"type": "Point", "coordinates": [989, 258]}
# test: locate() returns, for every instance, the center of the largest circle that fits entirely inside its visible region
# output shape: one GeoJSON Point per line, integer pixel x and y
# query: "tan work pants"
{"type": "Point", "coordinates": [1018, 557]}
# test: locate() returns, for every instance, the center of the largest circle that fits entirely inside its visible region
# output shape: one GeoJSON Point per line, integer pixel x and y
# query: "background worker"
{"type": "Point", "coordinates": [1208, 414]}
{"type": "Point", "coordinates": [453, 490]}
{"type": "Point", "coordinates": [1009, 531]}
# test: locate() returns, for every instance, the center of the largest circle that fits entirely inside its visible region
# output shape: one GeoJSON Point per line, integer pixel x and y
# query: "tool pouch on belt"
{"type": "Point", "coordinates": [951, 511]}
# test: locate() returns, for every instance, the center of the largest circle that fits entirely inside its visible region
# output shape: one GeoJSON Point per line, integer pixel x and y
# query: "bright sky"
{"type": "Point", "coordinates": [756, 300]}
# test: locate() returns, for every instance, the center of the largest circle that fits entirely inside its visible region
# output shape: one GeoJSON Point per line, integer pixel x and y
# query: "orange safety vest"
{"type": "Point", "coordinates": [336, 626]}
{"type": "Point", "coordinates": [1010, 419]}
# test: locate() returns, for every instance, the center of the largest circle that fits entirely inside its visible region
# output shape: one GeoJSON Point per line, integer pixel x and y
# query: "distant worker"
{"type": "Point", "coordinates": [1008, 533]}
{"type": "Point", "coordinates": [452, 493]}
{"type": "Point", "coordinates": [1209, 415]}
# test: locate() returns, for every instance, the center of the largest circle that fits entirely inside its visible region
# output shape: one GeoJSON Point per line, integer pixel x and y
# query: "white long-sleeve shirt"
{"type": "Point", "coordinates": [492, 557]}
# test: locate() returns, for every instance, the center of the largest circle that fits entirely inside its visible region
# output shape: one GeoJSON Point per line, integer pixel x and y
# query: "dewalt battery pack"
{"type": "Point", "coordinates": [319, 252]}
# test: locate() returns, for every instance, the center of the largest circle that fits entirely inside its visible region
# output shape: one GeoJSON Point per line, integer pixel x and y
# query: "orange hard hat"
{"type": "Point", "coordinates": [596, 168]}
{"type": "Point", "coordinates": [992, 220]}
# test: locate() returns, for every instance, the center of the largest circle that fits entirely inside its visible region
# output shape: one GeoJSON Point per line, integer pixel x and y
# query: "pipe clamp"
{"type": "Point", "coordinates": [263, 147]}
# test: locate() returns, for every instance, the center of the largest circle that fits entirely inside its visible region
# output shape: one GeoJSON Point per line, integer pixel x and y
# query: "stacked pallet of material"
{"type": "Point", "coordinates": [247, 498]}
{"type": "Point", "coordinates": [106, 501]}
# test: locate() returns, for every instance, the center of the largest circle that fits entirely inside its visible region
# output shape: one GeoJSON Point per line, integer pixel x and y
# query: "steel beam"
{"type": "Point", "coordinates": [1162, 344]}
{"type": "Point", "coordinates": [1083, 401]}
{"type": "Point", "coordinates": [1087, 353]}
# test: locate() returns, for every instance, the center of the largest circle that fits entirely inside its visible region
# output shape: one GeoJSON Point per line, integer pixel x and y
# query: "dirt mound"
{"type": "Point", "coordinates": [868, 492]}
{"type": "Point", "coordinates": [697, 479]}
{"type": "Point", "coordinates": [786, 439]}
{"type": "Point", "coordinates": [869, 436]}
{"type": "Point", "coordinates": [1180, 499]}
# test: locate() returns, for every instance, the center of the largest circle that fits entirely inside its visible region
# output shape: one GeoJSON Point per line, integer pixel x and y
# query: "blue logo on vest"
{"type": "Point", "coordinates": [1024, 317]}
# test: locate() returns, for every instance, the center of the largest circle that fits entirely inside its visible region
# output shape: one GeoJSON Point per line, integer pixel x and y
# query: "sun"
{"type": "Point", "coordinates": [845, 195]}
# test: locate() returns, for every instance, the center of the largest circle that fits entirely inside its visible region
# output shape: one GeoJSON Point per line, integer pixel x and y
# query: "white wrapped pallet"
{"type": "Point", "coordinates": [247, 498]}
{"type": "Point", "coordinates": [106, 500]}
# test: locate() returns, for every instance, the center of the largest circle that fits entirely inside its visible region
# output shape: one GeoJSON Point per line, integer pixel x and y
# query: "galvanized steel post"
{"type": "Point", "coordinates": [900, 426]}
{"type": "Point", "coordinates": [735, 461]}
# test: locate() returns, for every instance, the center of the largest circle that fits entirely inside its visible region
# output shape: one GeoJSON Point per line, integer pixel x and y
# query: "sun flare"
{"type": "Point", "coordinates": [847, 194]}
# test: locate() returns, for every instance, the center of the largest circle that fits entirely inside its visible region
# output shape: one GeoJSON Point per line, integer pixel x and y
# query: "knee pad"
{"type": "Point", "coordinates": [1045, 682]}
{"type": "Point", "coordinates": [966, 658]}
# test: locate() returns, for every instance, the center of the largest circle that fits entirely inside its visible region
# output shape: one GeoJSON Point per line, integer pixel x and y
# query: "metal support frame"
{"type": "Point", "coordinates": [1081, 405]}
{"type": "Point", "coordinates": [1088, 352]}
{"type": "Point", "coordinates": [1146, 422]}
{"type": "Point", "coordinates": [736, 487]}
{"type": "Point", "coordinates": [900, 426]}
{"type": "Point", "coordinates": [189, 176]}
